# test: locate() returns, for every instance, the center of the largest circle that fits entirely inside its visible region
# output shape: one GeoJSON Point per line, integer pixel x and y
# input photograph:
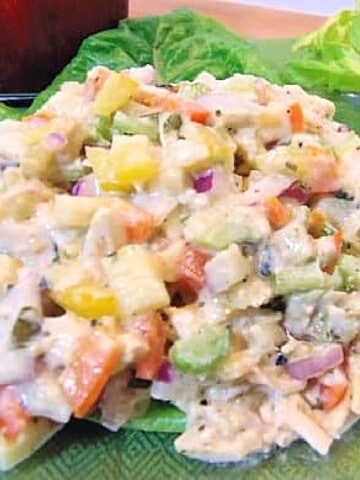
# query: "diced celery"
{"type": "Point", "coordinates": [302, 279]}
{"type": "Point", "coordinates": [127, 125]}
{"type": "Point", "coordinates": [103, 128]}
{"type": "Point", "coordinates": [194, 90]}
{"type": "Point", "coordinates": [349, 269]}
{"type": "Point", "coordinates": [218, 227]}
{"type": "Point", "coordinates": [72, 172]}
{"type": "Point", "coordinates": [201, 352]}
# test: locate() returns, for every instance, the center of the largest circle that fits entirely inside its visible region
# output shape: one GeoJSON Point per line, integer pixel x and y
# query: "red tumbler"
{"type": "Point", "coordinates": [38, 37]}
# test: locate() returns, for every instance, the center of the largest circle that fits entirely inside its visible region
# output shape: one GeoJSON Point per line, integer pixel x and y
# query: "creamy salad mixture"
{"type": "Point", "coordinates": [196, 243]}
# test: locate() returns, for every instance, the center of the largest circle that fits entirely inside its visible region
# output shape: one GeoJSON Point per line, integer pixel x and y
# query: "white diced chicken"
{"type": "Point", "coordinates": [296, 414]}
{"type": "Point", "coordinates": [226, 268]}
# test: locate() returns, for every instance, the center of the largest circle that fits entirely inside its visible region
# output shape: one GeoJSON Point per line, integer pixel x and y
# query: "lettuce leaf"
{"type": "Point", "coordinates": [328, 57]}
{"type": "Point", "coordinates": [188, 43]}
{"type": "Point", "coordinates": [160, 417]}
{"type": "Point", "coordinates": [179, 45]}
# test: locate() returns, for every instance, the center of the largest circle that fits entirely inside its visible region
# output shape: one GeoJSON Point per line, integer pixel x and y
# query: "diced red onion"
{"type": "Point", "coordinates": [55, 141]}
{"type": "Point", "coordinates": [203, 181]}
{"type": "Point", "coordinates": [166, 373]}
{"type": "Point", "coordinates": [296, 192]}
{"type": "Point", "coordinates": [342, 127]}
{"type": "Point", "coordinates": [16, 366]}
{"type": "Point", "coordinates": [271, 145]}
{"type": "Point", "coordinates": [314, 366]}
{"type": "Point", "coordinates": [85, 187]}
{"type": "Point", "coordinates": [8, 163]}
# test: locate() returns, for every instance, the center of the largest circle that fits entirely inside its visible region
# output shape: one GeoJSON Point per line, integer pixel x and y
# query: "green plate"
{"type": "Point", "coordinates": [84, 451]}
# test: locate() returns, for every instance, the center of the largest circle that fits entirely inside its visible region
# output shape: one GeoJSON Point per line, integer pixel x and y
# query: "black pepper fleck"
{"type": "Point", "coordinates": [281, 359]}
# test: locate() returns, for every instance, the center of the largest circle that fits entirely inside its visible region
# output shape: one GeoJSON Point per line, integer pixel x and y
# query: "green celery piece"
{"type": "Point", "coordinates": [103, 128]}
{"type": "Point", "coordinates": [160, 417]}
{"type": "Point", "coordinates": [201, 352]}
{"type": "Point", "coordinates": [127, 125]}
{"type": "Point", "coordinates": [349, 269]}
{"type": "Point", "coordinates": [301, 279]}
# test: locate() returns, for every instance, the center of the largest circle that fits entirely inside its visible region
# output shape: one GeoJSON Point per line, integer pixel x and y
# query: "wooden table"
{"type": "Point", "coordinates": [246, 20]}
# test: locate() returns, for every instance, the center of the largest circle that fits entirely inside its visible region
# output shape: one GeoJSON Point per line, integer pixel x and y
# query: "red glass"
{"type": "Point", "coordinates": [38, 37]}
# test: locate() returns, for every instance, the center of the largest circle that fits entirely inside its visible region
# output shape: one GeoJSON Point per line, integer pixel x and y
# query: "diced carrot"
{"type": "Point", "coordinates": [139, 224]}
{"type": "Point", "coordinates": [40, 117]}
{"type": "Point", "coordinates": [153, 329]}
{"type": "Point", "coordinates": [13, 417]}
{"type": "Point", "coordinates": [338, 242]}
{"type": "Point", "coordinates": [171, 102]}
{"type": "Point", "coordinates": [296, 117]}
{"type": "Point", "coordinates": [197, 113]}
{"type": "Point", "coordinates": [316, 223]}
{"type": "Point", "coordinates": [191, 269]}
{"type": "Point", "coordinates": [329, 251]}
{"type": "Point", "coordinates": [331, 395]}
{"type": "Point", "coordinates": [278, 213]}
{"type": "Point", "coordinates": [93, 362]}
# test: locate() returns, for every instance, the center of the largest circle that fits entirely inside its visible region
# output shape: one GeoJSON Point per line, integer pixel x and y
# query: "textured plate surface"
{"type": "Point", "coordinates": [84, 451]}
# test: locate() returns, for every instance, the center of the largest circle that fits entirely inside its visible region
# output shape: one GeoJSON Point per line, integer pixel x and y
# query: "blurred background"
{"type": "Point", "coordinates": [317, 7]}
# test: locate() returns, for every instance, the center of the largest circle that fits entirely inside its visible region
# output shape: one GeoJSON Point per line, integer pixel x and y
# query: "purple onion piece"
{"type": "Point", "coordinates": [166, 372]}
{"type": "Point", "coordinates": [316, 365]}
{"type": "Point", "coordinates": [55, 141]}
{"type": "Point", "coordinates": [203, 181]}
{"type": "Point", "coordinates": [85, 186]}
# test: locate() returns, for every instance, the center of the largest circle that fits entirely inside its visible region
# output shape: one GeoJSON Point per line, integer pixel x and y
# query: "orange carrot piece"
{"type": "Point", "coordinates": [93, 362]}
{"type": "Point", "coordinates": [296, 117]}
{"type": "Point", "coordinates": [13, 417]}
{"type": "Point", "coordinates": [331, 395]}
{"type": "Point", "coordinates": [278, 213]}
{"type": "Point", "coordinates": [153, 329]}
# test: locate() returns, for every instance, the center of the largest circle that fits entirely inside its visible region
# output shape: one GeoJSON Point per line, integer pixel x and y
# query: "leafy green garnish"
{"type": "Point", "coordinates": [330, 56]}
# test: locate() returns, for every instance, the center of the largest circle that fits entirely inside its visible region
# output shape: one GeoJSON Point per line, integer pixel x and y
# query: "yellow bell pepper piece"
{"type": "Point", "coordinates": [115, 94]}
{"type": "Point", "coordinates": [129, 162]}
{"type": "Point", "coordinates": [88, 300]}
